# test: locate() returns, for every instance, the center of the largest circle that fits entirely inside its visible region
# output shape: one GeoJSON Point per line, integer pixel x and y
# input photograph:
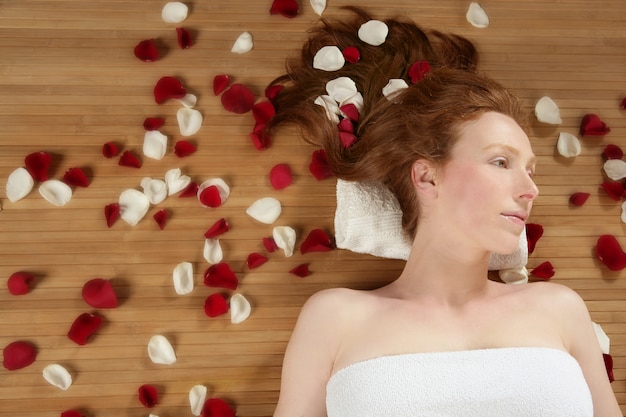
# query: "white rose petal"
{"type": "Point", "coordinates": [55, 192]}
{"type": "Point", "coordinates": [243, 43]}
{"type": "Point", "coordinates": [514, 275]}
{"type": "Point", "coordinates": [265, 210]}
{"type": "Point", "coordinates": [477, 16]}
{"type": "Point", "coordinates": [174, 12]}
{"type": "Point", "coordinates": [183, 278]}
{"type": "Point", "coordinates": [393, 87]}
{"type": "Point", "coordinates": [189, 121]}
{"type": "Point", "coordinates": [341, 89]}
{"type": "Point", "coordinates": [373, 32]}
{"type": "Point", "coordinates": [189, 101]}
{"type": "Point", "coordinates": [239, 308]}
{"type": "Point", "coordinates": [197, 398]}
{"type": "Point", "coordinates": [285, 238]}
{"type": "Point", "coordinates": [154, 144]}
{"type": "Point", "coordinates": [213, 251]}
{"type": "Point", "coordinates": [330, 105]}
{"type": "Point", "coordinates": [19, 184]}
{"type": "Point", "coordinates": [175, 181]}
{"type": "Point", "coordinates": [603, 339]}
{"type": "Point", "coordinates": [318, 6]}
{"type": "Point", "coordinates": [547, 111]}
{"type": "Point", "coordinates": [154, 189]}
{"type": "Point", "coordinates": [161, 351]}
{"type": "Point", "coordinates": [615, 169]}
{"type": "Point", "coordinates": [222, 188]}
{"type": "Point", "coordinates": [329, 58]}
{"type": "Point", "coordinates": [133, 206]}
{"type": "Point", "coordinates": [58, 376]}
{"type": "Point", "coordinates": [623, 215]}
{"type": "Point", "coordinates": [568, 145]}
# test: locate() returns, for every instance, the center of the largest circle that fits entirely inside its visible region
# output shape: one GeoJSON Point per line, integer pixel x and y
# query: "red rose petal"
{"type": "Point", "coordinates": [71, 413]}
{"type": "Point", "coordinates": [148, 396]}
{"type": "Point", "coordinates": [270, 244]}
{"type": "Point", "coordinates": [608, 364]}
{"type": "Point", "coordinates": [260, 140]}
{"type": "Point", "coordinates": [153, 123]}
{"type": "Point", "coordinates": [84, 327]}
{"type": "Point", "coordinates": [615, 189]}
{"type": "Point", "coordinates": [190, 191]}
{"type": "Point", "coordinates": [37, 164]}
{"type": "Point", "coordinates": [110, 149]}
{"type": "Point", "coordinates": [346, 125]}
{"type": "Point", "coordinates": [591, 125]}
{"type": "Point", "coordinates": [255, 260]}
{"type": "Point", "coordinates": [272, 91]}
{"type": "Point", "coordinates": [76, 177]}
{"type": "Point", "coordinates": [184, 148]}
{"type": "Point", "coordinates": [215, 407]}
{"type": "Point", "coordinates": [215, 305]}
{"type": "Point", "coordinates": [99, 293]}
{"type": "Point", "coordinates": [129, 159]}
{"type": "Point", "coordinates": [184, 38]}
{"type": "Point", "coordinates": [610, 253]}
{"type": "Point", "coordinates": [418, 71]}
{"type": "Point", "coordinates": [301, 271]}
{"type": "Point", "coordinates": [220, 275]}
{"type": "Point", "coordinates": [543, 271]}
{"type": "Point", "coordinates": [160, 217]}
{"type": "Point", "coordinates": [167, 88]}
{"type": "Point", "coordinates": [111, 213]}
{"type": "Point", "coordinates": [220, 82]}
{"type": "Point", "coordinates": [623, 103]}
{"type": "Point", "coordinates": [287, 8]}
{"type": "Point", "coordinates": [533, 234]}
{"type": "Point", "coordinates": [351, 54]}
{"type": "Point", "coordinates": [316, 241]}
{"type": "Point", "coordinates": [238, 99]}
{"type": "Point", "coordinates": [578, 199]}
{"type": "Point", "coordinates": [263, 112]}
{"type": "Point", "coordinates": [347, 139]}
{"type": "Point", "coordinates": [319, 165]}
{"type": "Point", "coordinates": [146, 50]}
{"type": "Point", "coordinates": [219, 227]}
{"type": "Point", "coordinates": [19, 282]}
{"type": "Point", "coordinates": [18, 355]}
{"type": "Point", "coordinates": [210, 197]}
{"type": "Point", "coordinates": [280, 176]}
{"type": "Point", "coordinates": [612, 152]}
{"type": "Point", "coordinates": [351, 111]}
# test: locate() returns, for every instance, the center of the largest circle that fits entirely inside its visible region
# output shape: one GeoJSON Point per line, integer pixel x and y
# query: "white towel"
{"type": "Point", "coordinates": [511, 382]}
{"type": "Point", "coordinates": [368, 220]}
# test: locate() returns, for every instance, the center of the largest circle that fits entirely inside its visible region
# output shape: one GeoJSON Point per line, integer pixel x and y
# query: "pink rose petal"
{"type": "Point", "coordinates": [610, 253]}
{"type": "Point", "coordinates": [112, 213]}
{"type": "Point", "coordinates": [591, 125]}
{"type": "Point", "coordinates": [215, 407]}
{"type": "Point", "coordinates": [316, 241]}
{"type": "Point", "coordinates": [301, 271]}
{"type": "Point", "coordinates": [615, 189]}
{"type": "Point", "coordinates": [280, 176]}
{"type": "Point", "coordinates": [612, 152]}
{"type": "Point", "coordinates": [220, 82]}
{"type": "Point", "coordinates": [221, 275]}
{"type": "Point", "coordinates": [608, 364]}
{"type": "Point", "coordinates": [153, 123]}
{"type": "Point", "coordinates": [76, 177]}
{"type": "Point", "coordinates": [190, 191]}
{"type": "Point", "coordinates": [215, 305]}
{"type": "Point", "coordinates": [219, 227]}
{"type": "Point", "coordinates": [578, 199]}
{"type": "Point", "coordinates": [544, 271]}
{"type": "Point", "coordinates": [255, 260]}
{"type": "Point", "coordinates": [167, 88]}
{"type": "Point", "coordinates": [184, 148]}
{"type": "Point", "coordinates": [148, 396]}
{"type": "Point", "coordinates": [270, 244]}
{"type": "Point", "coordinates": [418, 71]}
{"type": "Point", "coordinates": [84, 327]}
{"type": "Point", "coordinates": [18, 355]}
{"type": "Point", "coordinates": [160, 217]}
{"type": "Point", "coordinates": [351, 54]}
{"type": "Point", "coordinates": [272, 91]}
{"type": "Point", "coordinates": [130, 160]}
{"type": "Point", "coordinates": [146, 50]}
{"type": "Point", "coordinates": [38, 164]}
{"type": "Point", "coordinates": [533, 234]}
{"type": "Point", "coordinates": [319, 166]}
{"type": "Point", "coordinates": [238, 99]}
{"type": "Point", "coordinates": [184, 38]}
{"type": "Point", "coordinates": [99, 293]}
{"type": "Point", "coordinates": [287, 8]}
{"type": "Point", "coordinates": [110, 149]}
{"type": "Point", "coordinates": [19, 282]}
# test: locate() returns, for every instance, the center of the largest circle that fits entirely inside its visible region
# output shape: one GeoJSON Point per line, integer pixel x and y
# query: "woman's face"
{"type": "Point", "coordinates": [487, 186]}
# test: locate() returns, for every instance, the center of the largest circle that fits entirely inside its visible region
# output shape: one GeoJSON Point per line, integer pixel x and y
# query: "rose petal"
{"type": "Point", "coordinates": [287, 8]}
{"type": "Point", "coordinates": [219, 227]}
{"type": "Point", "coordinates": [189, 121]}
{"type": "Point", "coordinates": [608, 364]}
{"type": "Point", "coordinates": [265, 210]}
{"type": "Point", "coordinates": [547, 111]}
{"type": "Point", "coordinates": [346, 125]}
{"type": "Point", "coordinates": [477, 16]}
{"type": "Point", "coordinates": [197, 397]}
{"type": "Point", "coordinates": [623, 215]}
{"type": "Point", "coordinates": [316, 241]}
{"type": "Point", "coordinates": [110, 149]}
{"type": "Point", "coordinates": [99, 293]}
{"type": "Point", "coordinates": [603, 339]}
{"type": "Point", "coordinates": [240, 309]}
{"type": "Point", "coordinates": [111, 213]}
{"type": "Point", "coordinates": [330, 106]}
{"type": "Point", "coordinates": [591, 125]}
{"type": "Point", "coordinates": [341, 89]}
{"type": "Point", "coordinates": [189, 101]}
{"type": "Point", "coordinates": [347, 139]}
{"type": "Point", "coordinates": [329, 58]}
{"type": "Point", "coordinates": [393, 88]}
{"type": "Point", "coordinates": [578, 199]}
{"type": "Point", "coordinates": [533, 234]}
{"type": "Point", "coordinates": [263, 112]}
{"type": "Point", "coordinates": [280, 176]}
{"type": "Point", "coordinates": [83, 328]}
{"type": "Point", "coordinates": [285, 238]}
{"type": "Point", "coordinates": [270, 244]}
{"type": "Point", "coordinates": [174, 12]}
{"type": "Point", "coordinates": [215, 407]}
{"type": "Point", "coordinates": [220, 82]}
{"type": "Point", "coordinates": [18, 355]}
{"type": "Point", "coordinates": [183, 278]}
{"type": "Point", "coordinates": [544, 271]}
{"type": "Point", "coordinates": [55, 192]}
{"type": "Point", "coordinates": [153, 123]}
{"type": "Point", "coordinates": [133, 206]}
{"type": "Point", "coordinates": [183, 36]}
{"type": "Point", "coordinates": [38, 164]}
{"type": "Point", "coordinates": [568, 145]}
{"type": "Point", "coordinates": [418, 70]}
{"type": "Point", "coordinates": [615, 189]}
{"type": "Point", "coordinates": [514, 275]}
{"type": "Point", "coordinates": [148, 396]}
{"type": "Point", "coordinates": [255, 260]}
{"type": "Point", "coordinates": [243, 43]}
{"type": "Point", "coordinates": [58, 376]}
{"type": "Point", "coordinates": [154, 144]}
{"type": "Point", "coordinates": [610, 253]}
{"type": "Point", "coordinates": [212, 251]}
{"type": "Point", "coordinates": [615, 169]}
{"type": "Point", "coordinates": [238, 99]}
{"type": "Point", "coordinates": [213, 192]}
{"type": "Point", "coordinates": [184, 148]}
{"type": "Point", "coordinates": [72, 413]}
{"type": "Point", "coordinates": [19, 184]}
{"type": "Point", "coordinates": [154, 189]}
{"type": "Point", "coordinates": [301, 271]}
{"type": "Point", "coordinates": [19, 282]}
{"type": "Point", "coordinates": [319, 166]}
{"type": "Point", "coordinates": [612, 152]}
{"type": "Point", "coordinates": [350, 111]}
{"type": "Point", "coordinates": [76, 177]}
{"type": "Point", "coordinates": [160, 217]}
{"type": "Point", "coordinates": [373, 32]}
{"type": "Point", "coordinates": [129, 159]}
{"type": "Point", "coordinates": [272, 91]}
{"type": "Point", "coordinates": [351, 54]}
{"type": "Point", "coordinates": [160, 350]}
{"type": "Point", "coordinates": [168, 87]}
{"type": "Point", "coordinates": [175, 181]}
{"type": "Point", "coordinates": [190, 191]}
{"type": "Point", "coordinates": [221, 275]}
{"type": "Point", "coordinates": [146, 50]}
{"type": "Point", "coordinates": [215, 305]}
{"type": "Point", "coordinates": [260, 140]}
{"type": "Point", "coordinates": [318, 6]}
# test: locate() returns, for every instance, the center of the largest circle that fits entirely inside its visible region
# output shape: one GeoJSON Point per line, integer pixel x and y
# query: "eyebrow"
{"type": "Point", "coordinates": [510, 149]}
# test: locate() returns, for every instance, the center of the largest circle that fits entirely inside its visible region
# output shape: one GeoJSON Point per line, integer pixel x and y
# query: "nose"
{"type": "Point", "coordinates": [528, 188]}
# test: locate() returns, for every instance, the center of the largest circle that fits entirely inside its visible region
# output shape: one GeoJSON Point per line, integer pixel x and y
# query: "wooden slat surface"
{"type": "Point", "coordinates": [69, 83]}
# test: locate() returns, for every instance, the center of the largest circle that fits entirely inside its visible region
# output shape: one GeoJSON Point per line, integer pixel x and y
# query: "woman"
{"type": "Point", "coordinates": [442, 339]}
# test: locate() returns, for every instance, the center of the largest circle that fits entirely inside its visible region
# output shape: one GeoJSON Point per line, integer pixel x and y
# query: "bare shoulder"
{"type": "Point", "coordinates": [334, 302]}
{"type": "Point", "coordinates": [554, 296]}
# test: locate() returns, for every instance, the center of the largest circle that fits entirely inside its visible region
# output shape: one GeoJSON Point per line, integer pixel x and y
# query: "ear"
{"type": "Point", "coordinates": [424, 176]}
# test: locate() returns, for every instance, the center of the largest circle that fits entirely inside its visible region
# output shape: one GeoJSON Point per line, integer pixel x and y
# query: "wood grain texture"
{"type": "Point", "coordinates": [69, 83]}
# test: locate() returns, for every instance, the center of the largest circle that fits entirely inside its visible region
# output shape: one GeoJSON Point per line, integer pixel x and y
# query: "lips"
{"type": "Point", "coordinates": [517, 217]}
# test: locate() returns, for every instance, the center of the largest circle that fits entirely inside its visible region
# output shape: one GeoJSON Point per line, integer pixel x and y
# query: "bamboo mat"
{"type": "Point", "coordinates": [69, 83]}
